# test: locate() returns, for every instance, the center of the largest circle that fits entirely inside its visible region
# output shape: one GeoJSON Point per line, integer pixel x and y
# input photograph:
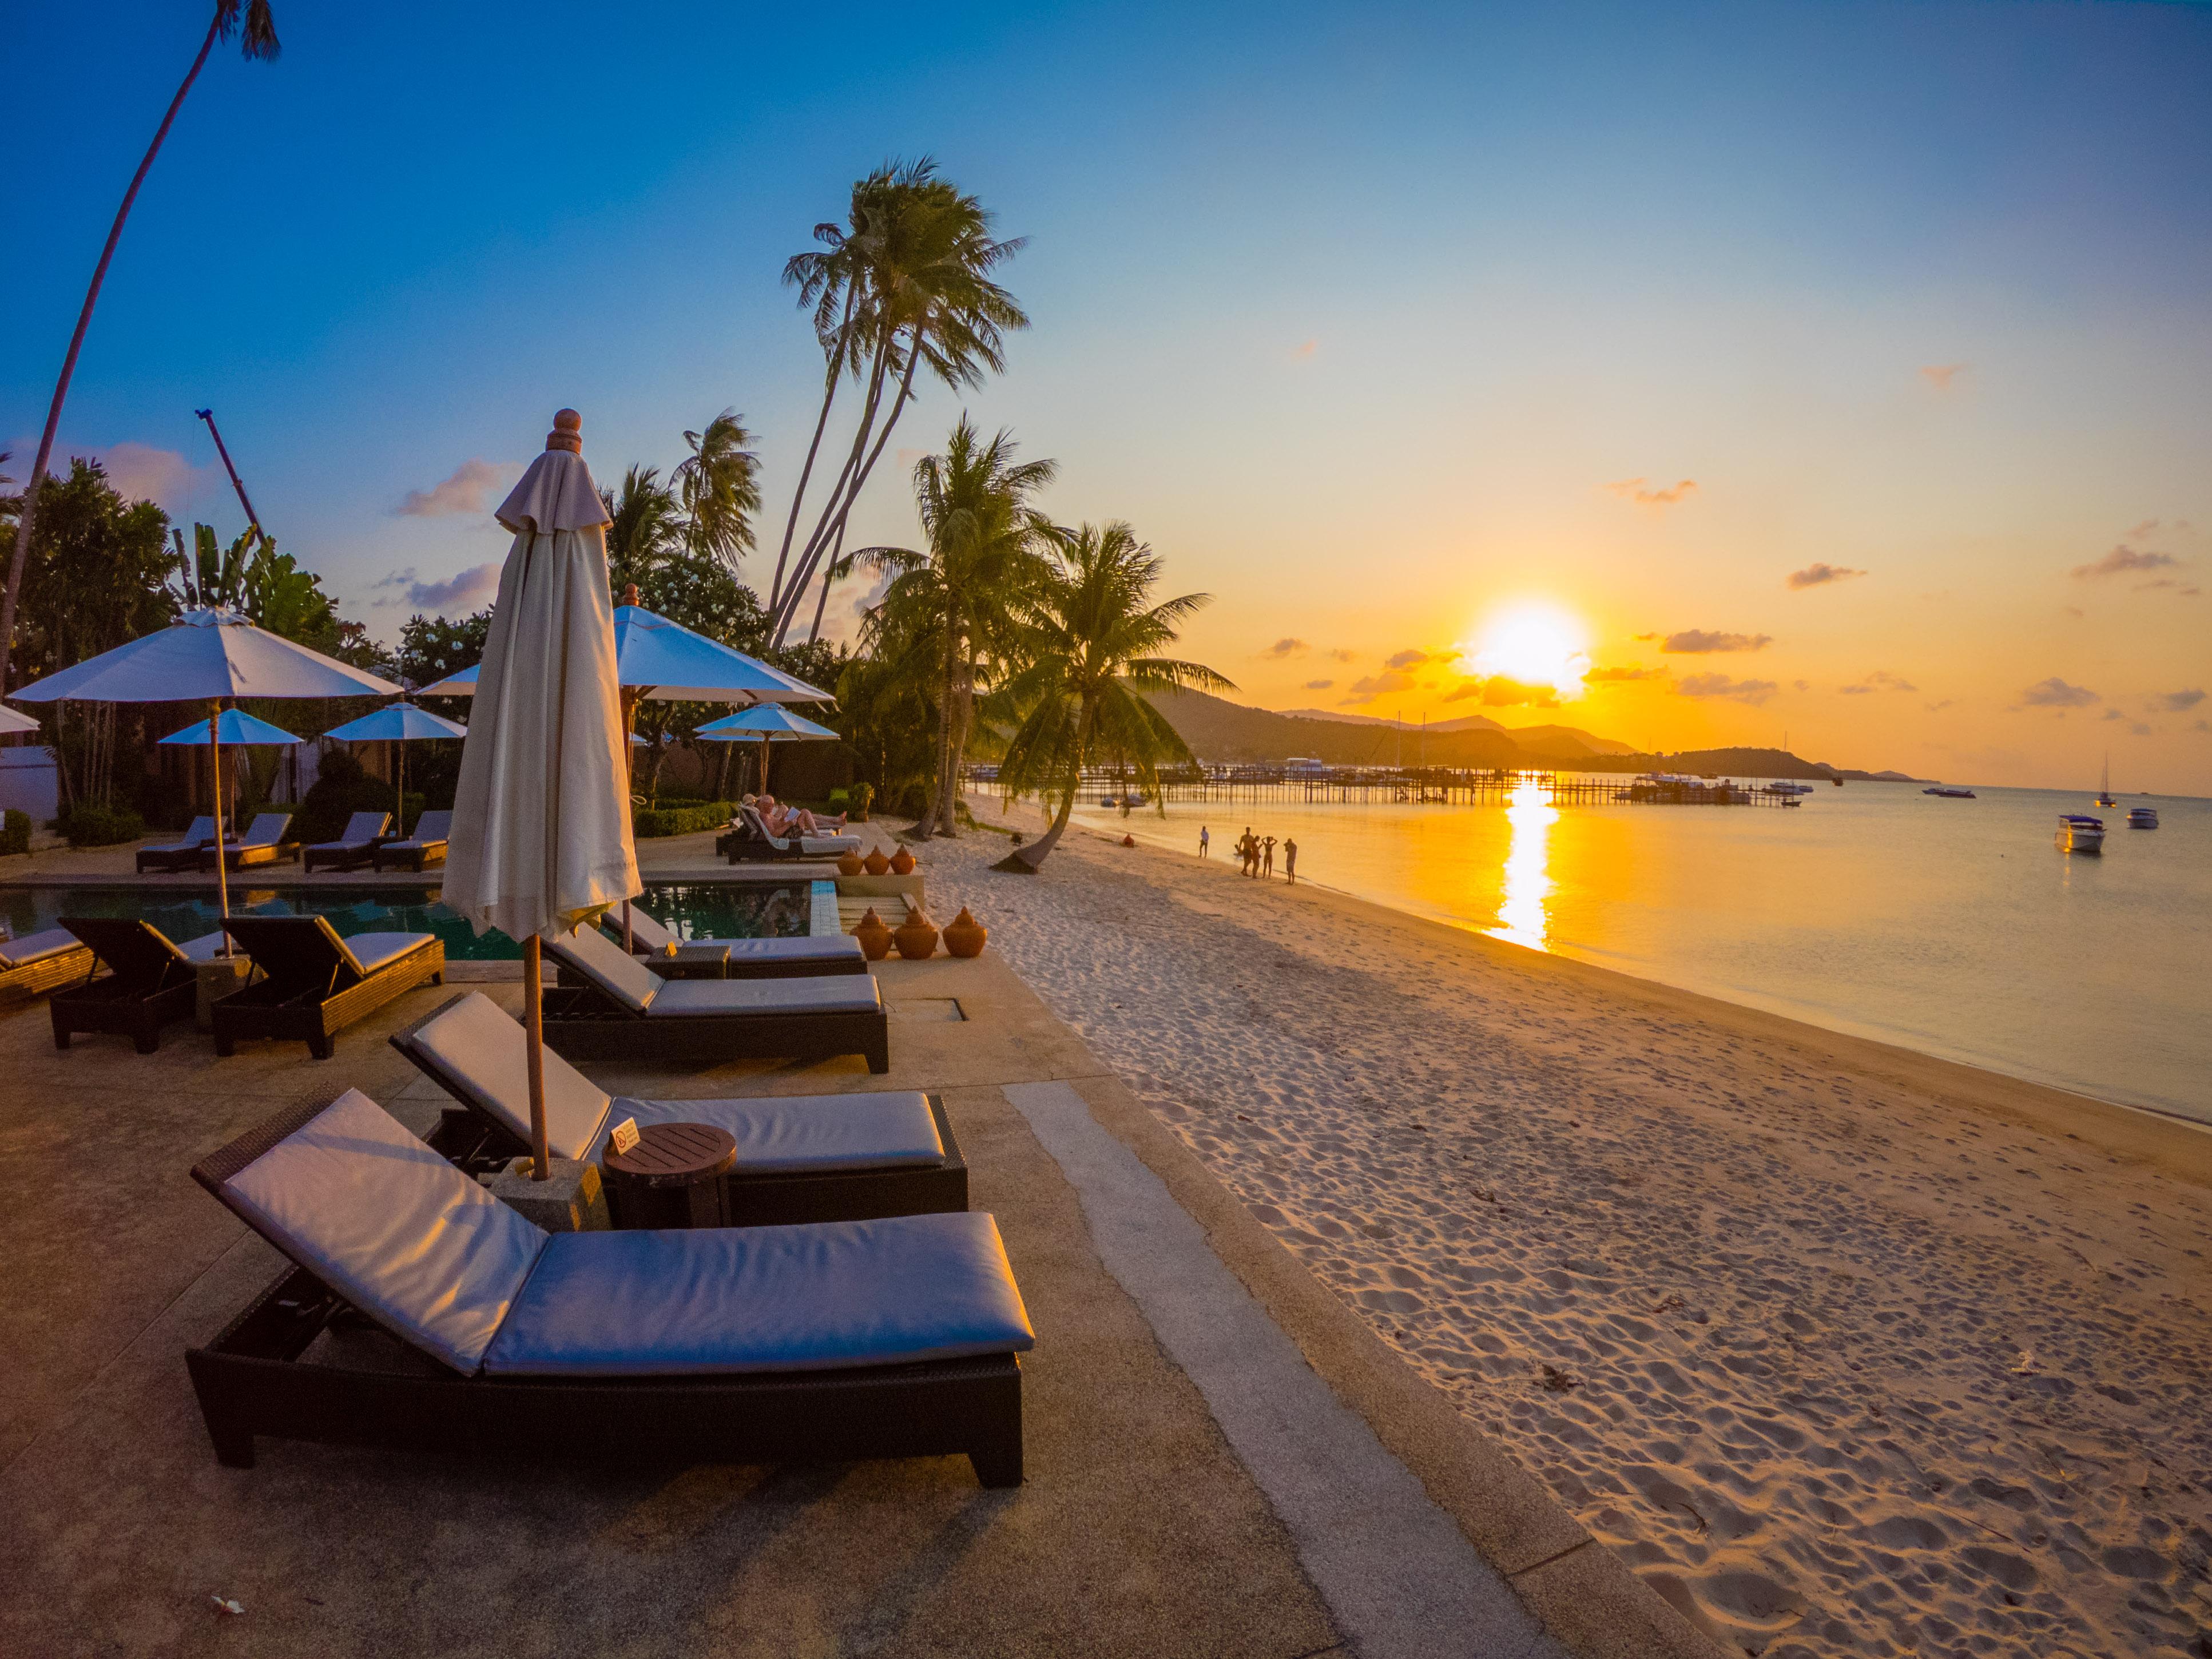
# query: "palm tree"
{"type": "Point", "coordinates": [258, 40]}
{"type": "Point", "coordinates": [718, 486]}
{"type": "Point", "coordinates": [952, 612]}
{"type": "Point", "coordinates": [1092, 646]}
{"type": "Point", "coordinates": [914, 276]}
{"type": "Point", "coordinates": [647, 526]}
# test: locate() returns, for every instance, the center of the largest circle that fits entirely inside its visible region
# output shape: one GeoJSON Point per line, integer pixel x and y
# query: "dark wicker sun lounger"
{"type": "Point", "coordinates": [740, 958]}
{"type": "Point", "coordinates": [263, 843]}
{"type": "Point", "coordinates": [355, 847]}
{"type": "Point", "coordinates": [311, 984]}
{"type": "Point", "coordinates": [425, 846]}
{"type": "Point", "coordinates": [41, 962]}
{"type": "Point", "coordinates": [150, 981]}
{"type": "Point", "coordinates": [800, 1158]}
{"type": "Point", "coordinates": [619, 1010]}
{"type": "Point", "coordinates": [179, 855]}
{"type": "Point", "coordinates": [440, 1319]}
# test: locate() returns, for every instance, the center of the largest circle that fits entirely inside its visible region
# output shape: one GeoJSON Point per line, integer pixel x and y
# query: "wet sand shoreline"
{"type": "Point", "coordinates": [1845, 1348]}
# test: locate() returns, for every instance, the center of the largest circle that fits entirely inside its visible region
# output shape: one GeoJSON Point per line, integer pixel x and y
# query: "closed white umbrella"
{"type": "Point", "coordinates": [541, 837]}
{"type": "Point", "coordinates": [214, 655]}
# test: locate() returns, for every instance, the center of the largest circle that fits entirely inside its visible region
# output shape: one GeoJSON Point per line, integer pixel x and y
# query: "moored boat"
{"type": "Point", "coordinates": [2142, 818]}
{"type": "Point", "coordinates": [1948, 793]}
{"type": "Point", "coordinates": [2080, 833]}
{"type": "Point", "coordinates": [2105, 784]}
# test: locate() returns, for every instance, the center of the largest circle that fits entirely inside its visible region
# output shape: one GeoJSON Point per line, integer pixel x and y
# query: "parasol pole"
{"type": "Point", "coordinates": [222, 856]}
{"type": "Point", "coordinates": [533, 1000]}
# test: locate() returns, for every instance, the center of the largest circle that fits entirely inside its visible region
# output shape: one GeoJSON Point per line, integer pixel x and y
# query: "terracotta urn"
{"type": "Point", "coordinates": [875, 938]}
{"type": "Point", "coordinates": [964, 935]}
{"type": "Point", "coordinates": [876, 864]}
{"type": "Point", "coordinates": [917, 940]}
{"type": "Point", "coordinates": [849, 864]}
{"type": "Point", "coordinates": [1128, 840]}
{"type": "Point", "coordinates": [902, 862]}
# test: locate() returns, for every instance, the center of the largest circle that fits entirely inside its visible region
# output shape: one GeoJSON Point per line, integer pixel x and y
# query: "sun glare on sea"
{"type": "Point", "coordinates": [1534, 645]}
{"type": "Point", "coordinates": [1523, 914]}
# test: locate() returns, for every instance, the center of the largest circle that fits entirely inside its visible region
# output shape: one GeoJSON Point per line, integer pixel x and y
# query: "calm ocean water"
{"type": "Point", "coordinates": [1951, 926]}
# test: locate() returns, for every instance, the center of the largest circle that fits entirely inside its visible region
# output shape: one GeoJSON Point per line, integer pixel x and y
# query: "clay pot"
{"type": "Point", "coordinates": [876, 864]}
{"type": "Point", "coordinates": [1128, 840]}
{"type": "Point", "coordinates": [917, 940]}
{"type": "Point", "coordinates": [849, 864]}
{"type": "Point", "coordinates": [964, 935]}
{"type": "Point", "coordinates": [902, 862]}
{"type": "Point", "coordinates": [875, 938]}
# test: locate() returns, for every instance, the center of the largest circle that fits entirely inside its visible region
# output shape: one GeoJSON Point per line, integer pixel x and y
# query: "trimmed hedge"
{"type": "Point", "coordinates": [15, 835]}
{"type": "Point", "coordinates": [90, 825]}
{"type": "Point", "coordinates": [688, 818]}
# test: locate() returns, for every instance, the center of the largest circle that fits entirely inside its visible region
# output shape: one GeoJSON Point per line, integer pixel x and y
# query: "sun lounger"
{"type": "Point", "coordinates": [41, 962]}
{"type": "Point", "coordinates": [311, 984]}
{"type": "Point", "coordinates": [150, 980]}
{"type": "Point", "coordinates": [355, 847]}
{"type": "Point", "coordinates": [425, 846]}
{"type": "Point", "coordinates": [618, 1010]}
{"type": "Point", "coordinates": [747, 958]}
{"type": "Point", "coordinates": [800, 1158]}
{"type": "Point", "coordinates": [440, 1319]}
{"type": "Point", "coordinates": [179, 855]}
{"type": "Point", "coordinates": [749, 841]}
{"type": "Point", "coordinates": [262, 844]}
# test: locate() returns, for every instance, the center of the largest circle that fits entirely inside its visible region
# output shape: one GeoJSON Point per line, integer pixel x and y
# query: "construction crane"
{"type": "Point", "coordinates": [252, 519]}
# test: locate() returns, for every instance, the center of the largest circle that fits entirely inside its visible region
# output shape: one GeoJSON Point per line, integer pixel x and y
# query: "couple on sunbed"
{"type": "Point", "coordinates": [783, 820]}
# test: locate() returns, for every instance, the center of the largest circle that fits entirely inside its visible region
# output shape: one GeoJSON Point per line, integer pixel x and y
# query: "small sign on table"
{"type": "Point", "coordinates": [623, 1138]}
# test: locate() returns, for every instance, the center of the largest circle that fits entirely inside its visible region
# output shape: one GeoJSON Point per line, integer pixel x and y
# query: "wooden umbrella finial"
{"type": "Point", "coordinates": [629, 594]}
{"type": "Point", "coordinates": [568, 431]}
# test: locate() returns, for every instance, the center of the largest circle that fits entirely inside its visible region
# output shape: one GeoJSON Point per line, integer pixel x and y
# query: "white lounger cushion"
{"type": "Point", "coordinates": [484, 1050]}
{"type": "Point", "coordinates": [608, 966]}
{"type": "Point", "coordinates": [38, 947]}
{"type": "Point", "coordinates": [693, 998]}
{"type": "Point", "coordinates": [731, 1299]}
{"type": "Point", "coordinates": [203, 948]}
{"type": "Point", "coordinates": [650, 935]}
{"type": "Point", "coordinates": [431, 829]}
{"type": "Point", "coordinates": [361, 830]}
{"type": "Point", "coordinates": [371, 951]}
{"type": "Point", "coordinates": [202, 834]}
{"type": "Point", "coordinates": [391, 1227]}
{"type": "Point", "coordinates": [267, 830]}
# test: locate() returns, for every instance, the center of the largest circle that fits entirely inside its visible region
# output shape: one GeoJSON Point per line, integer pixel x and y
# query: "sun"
{"type": "Point", "coordinates": [1532, 644]}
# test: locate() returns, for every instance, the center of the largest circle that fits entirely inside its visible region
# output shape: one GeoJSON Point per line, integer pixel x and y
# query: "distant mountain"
{"type": "Point", "coordinates": [1553, 740]}
{"type": "Point", "coordinates": [1464, 723]}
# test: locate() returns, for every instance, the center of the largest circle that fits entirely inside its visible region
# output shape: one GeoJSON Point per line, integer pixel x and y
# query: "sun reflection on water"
{"type": "Point", "coordinates": [1520, 911]}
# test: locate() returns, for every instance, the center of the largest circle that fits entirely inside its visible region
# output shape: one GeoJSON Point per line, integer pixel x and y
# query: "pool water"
{"type": "Point", "coordinates": [689, 909]}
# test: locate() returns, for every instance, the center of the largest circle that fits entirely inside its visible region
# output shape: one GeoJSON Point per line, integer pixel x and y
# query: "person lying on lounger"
{"type": "Point", "coordinates": [795, 820]}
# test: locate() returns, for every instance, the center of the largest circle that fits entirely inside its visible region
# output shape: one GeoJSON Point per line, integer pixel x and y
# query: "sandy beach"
{"type": "Point", "coordinates": [1847, 1351]}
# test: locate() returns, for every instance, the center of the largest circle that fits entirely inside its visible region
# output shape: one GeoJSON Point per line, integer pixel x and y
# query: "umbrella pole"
{"type": "Point", "coordinates": [221, 857]}
{"type": "Point", "coordinates": [533, 1004]}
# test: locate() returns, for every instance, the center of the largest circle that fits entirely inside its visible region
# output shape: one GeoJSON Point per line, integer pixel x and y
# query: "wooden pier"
{"type": "Point", "coordinates": [1411, 786]}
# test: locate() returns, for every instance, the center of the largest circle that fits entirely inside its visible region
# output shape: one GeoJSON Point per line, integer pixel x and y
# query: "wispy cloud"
{"type": "Point", "coordinates": [1342, 655]}
{"type": "Point", "coordinates": [1498, 691]}
{"type": "Point", "coordinates": [464, 491]}
{"type": "Point", "coordinates": [1319, 686]}
{"type": "Point", "coordinates": [2055, 693]}
{"type": "Point", "coordinates": [1286, 646]}
{"type": "Point", "coordinates": [470, 590]}
{"type": "Point", "coordinates": [2175, 701]}
{"type": "Point", "coordinates": [1937, 707]}
{"type": "Point", "coordinates": [1620, 675]}
{"type": "Point", "coordinates": [1371, 686]}
{"type": "Point", "coordinates": [1941, 376]}
{"type": "Point", "coordinates": [1638, 491]}
{"type": "Point", "coordinates": [2181, 590]}
{"type": "Point", "coordinates": [1406, 658]}
{"type": "Point", "coordinates": [1817, 574]}
{"type": "Point", "coordinates": [2121, 560]}
{"type": "Point", "coordinates": [1722, 685]}
{"type": "Point", "coordinates": [1701, 641]}
{"type": "Point", "coordinates": [141, 472]}
{"type": "Point", "coordinates": [1304, 349]}
{"type": "Point", "coordinates": [1880, 680]}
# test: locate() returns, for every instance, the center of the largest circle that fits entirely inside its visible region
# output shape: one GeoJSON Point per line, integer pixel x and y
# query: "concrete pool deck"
{"type": "Point", "coordinates": [1221, 1458]}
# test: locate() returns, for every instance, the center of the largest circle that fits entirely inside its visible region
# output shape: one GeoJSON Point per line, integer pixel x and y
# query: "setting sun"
{"type": "Point", "coordinates": [1533, 645]}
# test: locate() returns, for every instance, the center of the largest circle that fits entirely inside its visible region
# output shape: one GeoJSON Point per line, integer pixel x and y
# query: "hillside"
{"type": "Point", "coordinates": [1566, 740]}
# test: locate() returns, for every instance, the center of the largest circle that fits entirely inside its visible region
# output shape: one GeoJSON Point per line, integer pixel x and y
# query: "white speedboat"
{"type": "Point", "coordinates": [1783, 787]}
{"type": "Point", "coordinates": [2080, 833]}
{"type": "Point", "coordinates": [2142, 818]}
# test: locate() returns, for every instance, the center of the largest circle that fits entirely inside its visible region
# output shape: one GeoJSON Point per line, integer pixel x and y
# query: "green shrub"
{"type": "Point", "coordinates": [90, 825]}
{"type": "Point", "coordinates": [854, 801]}
{"type": "Point", "coordinates": [331, 803]}
{"type": "Point", "coordinates": [15, 837]}
{"type": "Point", "coordinates": [648, 823]}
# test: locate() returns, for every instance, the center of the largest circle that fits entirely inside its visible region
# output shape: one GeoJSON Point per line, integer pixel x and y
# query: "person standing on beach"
{"type": "Point", "coordinates": [1267, 860]}
{"type": "Point", "coordinates": [1248, 851]}
{"type": "Point", "coordinates": [1205, 841]}
{"type": "Point", "coordinates": [1289, 861]}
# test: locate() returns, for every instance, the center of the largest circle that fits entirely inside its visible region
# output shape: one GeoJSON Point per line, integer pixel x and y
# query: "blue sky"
{"type": "Point", "coordinates": [1356, 315]}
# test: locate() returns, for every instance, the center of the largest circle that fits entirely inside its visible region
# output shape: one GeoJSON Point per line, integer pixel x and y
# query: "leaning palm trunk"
{"type": "Point", "coordinates": [1025, 860]}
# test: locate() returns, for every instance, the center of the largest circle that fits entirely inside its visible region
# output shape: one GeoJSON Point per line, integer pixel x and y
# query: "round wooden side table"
{"type": "Point", "coordinates": [672, 1178]}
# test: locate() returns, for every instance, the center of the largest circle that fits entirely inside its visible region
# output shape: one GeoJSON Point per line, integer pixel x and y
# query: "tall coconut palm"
{"type": "Point", "coordinates": [954, 607]}
{"type": "Point", "coordinates": [251, 19]}
{"type": "Point", "coordinates": [718, 485]}
{"type": "Point", "coordinates": [916, 270]}
{"type": "Point", "coordinates": [1094, 638]}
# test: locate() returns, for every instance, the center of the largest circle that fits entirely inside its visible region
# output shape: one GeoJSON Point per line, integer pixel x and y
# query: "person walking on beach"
{"type": "Point", "coordinates": [1289, 861]}
{"type": "Point", "coordinates": [1248, 851]}
{"type": "Point", "coordinates": [1205, 841]}
{"type": "Point", "coordinates": [1267, 860]}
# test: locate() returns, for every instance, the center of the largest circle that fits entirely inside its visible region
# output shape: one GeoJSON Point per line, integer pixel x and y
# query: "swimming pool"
{"type": "Point", "coordinates": [690, 909]}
